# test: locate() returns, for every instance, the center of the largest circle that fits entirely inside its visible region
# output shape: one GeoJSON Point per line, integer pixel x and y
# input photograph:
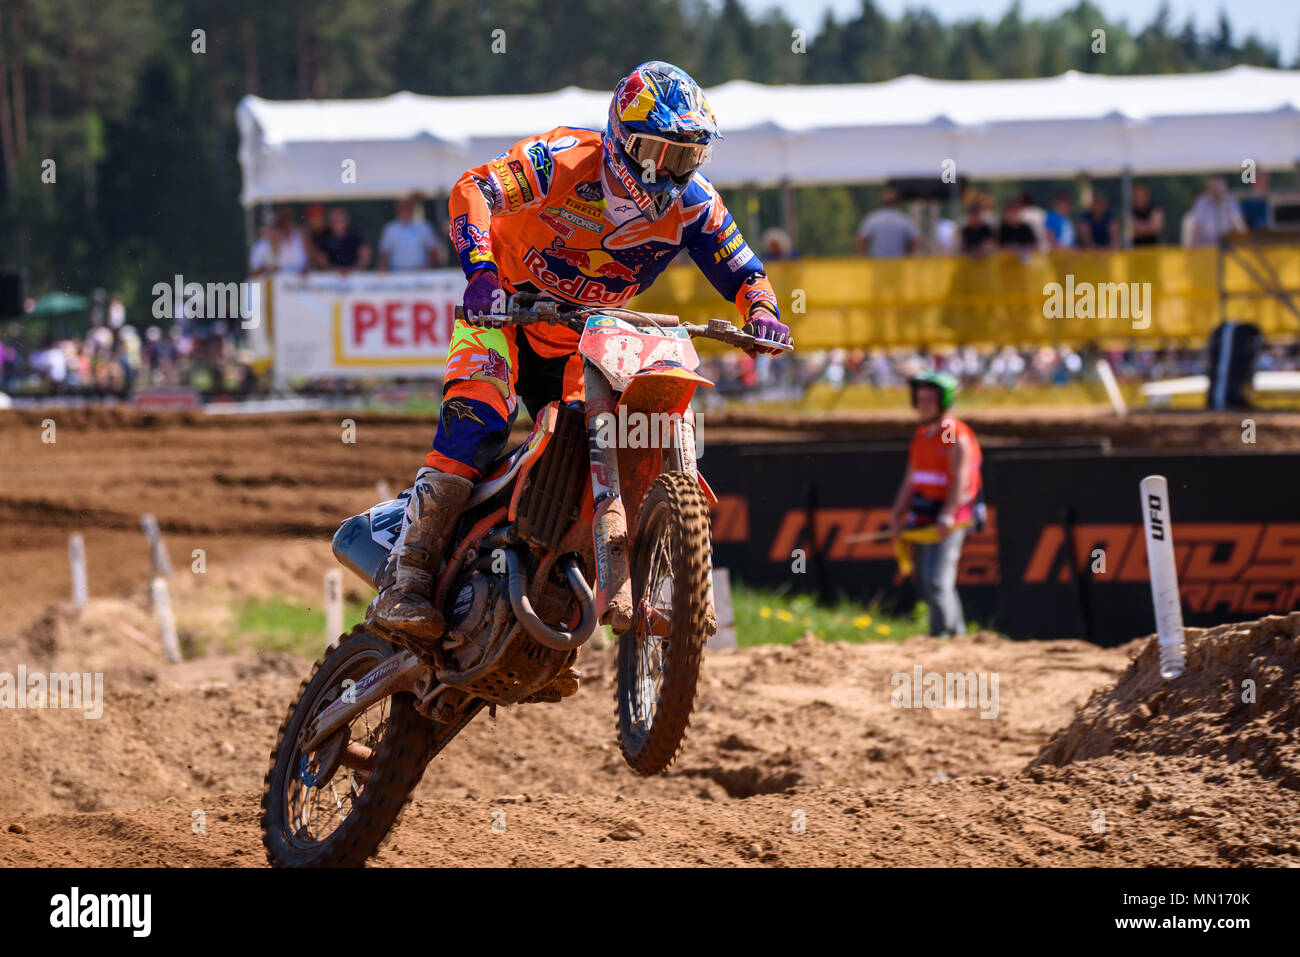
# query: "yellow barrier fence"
{"type": "Point", "coordinates": [1165, 295]}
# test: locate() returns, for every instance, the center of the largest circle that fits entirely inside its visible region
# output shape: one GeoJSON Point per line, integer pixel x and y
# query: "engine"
{"type": "Point", "coordinates": [478, 618]}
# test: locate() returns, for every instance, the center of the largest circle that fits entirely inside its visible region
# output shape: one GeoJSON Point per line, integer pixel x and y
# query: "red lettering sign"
{"type": "Point", "coordinates": [364, 318]}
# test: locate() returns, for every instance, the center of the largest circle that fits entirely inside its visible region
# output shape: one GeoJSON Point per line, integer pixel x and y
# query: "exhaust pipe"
{"type": "Point", "coordinates": [539, 630]}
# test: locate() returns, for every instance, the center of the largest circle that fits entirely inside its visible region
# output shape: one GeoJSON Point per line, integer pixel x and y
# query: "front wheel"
{"type": "Point", "coordinates": [659, 656]}
{"type": "Point", "coordinates": [335, 806]}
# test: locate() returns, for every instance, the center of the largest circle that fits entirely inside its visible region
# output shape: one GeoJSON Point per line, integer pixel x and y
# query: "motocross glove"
{"type": "Point", "coordinates": [482, 295]}
{"type": "Point", "coordinates": [764, 324]}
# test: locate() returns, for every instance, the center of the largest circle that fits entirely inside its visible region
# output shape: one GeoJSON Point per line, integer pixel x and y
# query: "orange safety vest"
{"type": "Point", "coordinates": [930, 463]}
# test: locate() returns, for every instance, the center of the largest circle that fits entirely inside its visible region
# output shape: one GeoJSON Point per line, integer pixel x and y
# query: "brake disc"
{"type": "Point", "coordinates": [325, 761]}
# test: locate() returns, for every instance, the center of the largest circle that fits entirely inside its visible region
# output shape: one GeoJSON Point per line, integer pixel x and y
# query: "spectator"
{"type": "Point", "coordinates": [180, 351]}
{"type": "Point", "coordinates": [1187, 226]}
{"type": "Point", "coordinates": [408, 243]}
{"type": "Point", "coordinates": [128, 349]}
{"type": "Point", "coordinates": [1254, 207]}
{"type": "Point", "coordinates": [314, 223]}
{"type": "Point", "coordinates": [1215, 214]}
{"type": "Point", "coordinates": [777, 245]}
{"type": "Point", "coordinates": [835, 370]}
{"type": "Point", "coordinates": [342, 245]}
{"type": "Point", "coordinates": [887, 233]}
{"type": "Point", "coordinates": [1059, 223]}
{"type": "Point", "coordinates": [51, 361]}
{"type": "Point", "coordinates": [77, 363]}
{"type": "Point", "coordinates": [939, 495]}
{"type": "Point", "coordinates": [280, 246]}
{"type": "Point", "coordinates": [1146, 219]}
{"type": "Point", "coordinates": [1034, 216]}
{"type": "Point", "coordinates": [946, 236]}
{"type": "Point", "coordinates": [116, 311]}
{"type": "Point", "coordinates": [153, 355]}
{"type": "Point", "coordinates": [261, 258]}
{"type": "Point", "coordinates": [976, 235]}
{"type": "Point", "coordinates": [1014, 233]}
{"type": "Point", "coordinates": [1097, 227]}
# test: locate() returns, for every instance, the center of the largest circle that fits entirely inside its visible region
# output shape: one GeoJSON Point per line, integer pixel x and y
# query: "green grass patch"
{"type": "Point", "coordinates": [770, 616]}
{"type": "Point", "coordinates": [277, 625]}
{"type": "Point", "coordinates": [764, 616]}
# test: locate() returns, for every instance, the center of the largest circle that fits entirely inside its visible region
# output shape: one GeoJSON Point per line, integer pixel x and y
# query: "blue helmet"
{"type": "Point", "coordinates": [659, 133]}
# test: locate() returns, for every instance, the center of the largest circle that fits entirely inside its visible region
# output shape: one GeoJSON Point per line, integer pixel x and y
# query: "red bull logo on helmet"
{"type": "Point", "coordinates": [629, 91]}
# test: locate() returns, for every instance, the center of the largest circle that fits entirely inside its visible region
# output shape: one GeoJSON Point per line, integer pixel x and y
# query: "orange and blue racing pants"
{"type": "Point", "coordinates": [488, 372]}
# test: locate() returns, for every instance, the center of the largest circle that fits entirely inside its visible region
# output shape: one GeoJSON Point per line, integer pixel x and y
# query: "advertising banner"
{"type": "Point", "coordinates": [1062, 555]}
{"type": "Point", "coordinates": [327, 325]}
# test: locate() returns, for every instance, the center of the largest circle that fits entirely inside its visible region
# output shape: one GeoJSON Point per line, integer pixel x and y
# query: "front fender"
{"type": "Point", "coordinates": [662, 388]}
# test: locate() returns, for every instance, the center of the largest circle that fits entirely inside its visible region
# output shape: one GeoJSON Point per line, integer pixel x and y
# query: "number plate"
{"type": "Point", "coordinates": [621, 350]}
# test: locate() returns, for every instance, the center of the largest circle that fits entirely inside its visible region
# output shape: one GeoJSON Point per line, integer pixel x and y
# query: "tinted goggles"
{"type": "Point", "coordinates": [669, 157]}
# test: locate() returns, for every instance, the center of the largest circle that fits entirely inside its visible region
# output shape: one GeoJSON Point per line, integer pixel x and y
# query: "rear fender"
{"type": "Point", "coordinates": [508, 468]}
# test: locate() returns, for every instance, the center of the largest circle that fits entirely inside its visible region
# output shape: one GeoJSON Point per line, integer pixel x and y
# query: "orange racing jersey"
{"type": "Point", "coordinates": [545, 216]}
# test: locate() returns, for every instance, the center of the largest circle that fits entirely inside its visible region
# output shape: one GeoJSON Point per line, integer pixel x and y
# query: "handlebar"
{"type": "Point", "coordinates": [523, 308]}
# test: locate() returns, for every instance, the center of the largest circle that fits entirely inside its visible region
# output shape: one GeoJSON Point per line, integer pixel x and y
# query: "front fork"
{"type": "Point", "coordinates": [609, 519]}
{"type": "Point", "coordinates": [681, 458]}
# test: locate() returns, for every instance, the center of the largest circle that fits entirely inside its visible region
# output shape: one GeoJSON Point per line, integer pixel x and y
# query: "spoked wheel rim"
{"type": "Point", "coordinates": [659, 656]}
{"type": "Point", "coordinates": [323, 787]}
{"type": "Point", "coordinates": [653, 622]}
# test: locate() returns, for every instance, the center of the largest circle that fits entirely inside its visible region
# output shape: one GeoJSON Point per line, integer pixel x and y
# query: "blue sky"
{"type": "Point", "coordinates": [1275, 21]}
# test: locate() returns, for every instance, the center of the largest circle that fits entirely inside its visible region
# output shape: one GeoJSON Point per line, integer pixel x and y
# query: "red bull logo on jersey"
{"type": "Point", "coordinates": [582, 275]}
{"type": "Point", "coordinates": [466, 236]}
{"type": "Point", "coordinates": [592, 262]}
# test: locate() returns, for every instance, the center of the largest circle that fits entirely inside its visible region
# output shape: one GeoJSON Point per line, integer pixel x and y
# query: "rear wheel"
{"type": "Point", "coordinates": [335, 806]}
{"type": "Point", "coordinates": [659, 657]}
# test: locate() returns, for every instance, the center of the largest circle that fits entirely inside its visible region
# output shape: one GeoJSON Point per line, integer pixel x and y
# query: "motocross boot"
{"type": "Point", "coordinates": [405, 605]}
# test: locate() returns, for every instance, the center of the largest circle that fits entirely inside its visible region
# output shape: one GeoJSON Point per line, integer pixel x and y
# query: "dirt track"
{"type": "Point", "coordinates": [781, 734]}
{"type": "Point", "coordinates": [229, 483]}
{"type": "Point", "coordinates": [1187, 774]}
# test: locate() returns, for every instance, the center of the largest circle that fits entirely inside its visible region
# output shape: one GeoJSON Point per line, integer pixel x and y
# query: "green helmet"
{"type": "Point", "coordinates": [946, 384]}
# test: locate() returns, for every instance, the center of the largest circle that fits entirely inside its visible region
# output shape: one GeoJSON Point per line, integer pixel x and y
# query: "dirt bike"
{"type": "Point", "coordinates": [580, 525]}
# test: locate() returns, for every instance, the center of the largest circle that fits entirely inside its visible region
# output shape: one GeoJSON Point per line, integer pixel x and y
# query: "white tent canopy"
{"type": "Point", "coordinates": [1055, 127]}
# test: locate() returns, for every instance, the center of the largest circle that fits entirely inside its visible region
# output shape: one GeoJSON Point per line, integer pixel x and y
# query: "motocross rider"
{"type": "Point", "coordinates": [580, 216]}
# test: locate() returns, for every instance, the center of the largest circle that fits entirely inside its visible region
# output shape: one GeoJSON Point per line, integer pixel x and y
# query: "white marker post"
{"type": "Point", "coordinates": [385, 493]}
{"type": "Point", "coordinates": [726, 633]}
{"type": "Point", "coordinates": [162, 603]}
{"type": "Point", "coordinates": [333, 603]}
{"type": "Point", "coordinates": [161, 564]}
{"type": "Point", "coordinates": [77, 555]}
{"type": "Point", "coordinates": [1164, 575]}
{"type": "Point", "coordinates": [159, 594]}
